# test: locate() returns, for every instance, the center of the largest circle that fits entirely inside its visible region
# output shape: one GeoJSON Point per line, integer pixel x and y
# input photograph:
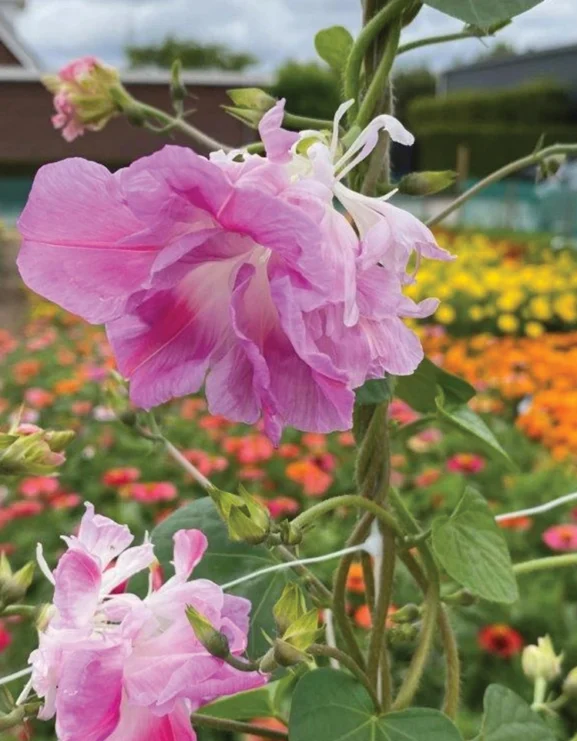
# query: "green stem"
{"type": "Point", "coordinates": [452, 662]}
{"type": "Point", "coordinates": [431, 40]}
{"type": "Point", "coordinates": [318, 649]}
{"type": "Point", "coordinates": [432, 603]}
{"type": "Point", "coordinates": [241, 665]}
{"type": "Point", "coordinates": [358, 536]}
{"type": "Point", "coordinates": [304, 122]}
{"type": "Point", "coordinates": [377, 647]}
{"type": "Point", "coordinates": [368, 579]}
{"type": "Point", "coordinates": [364, 40]}
{"type": "Point", "coordinates": [235, 726]}
{"type": "Point", "coordinates": [27, 611]}
{"type": "Point", "coordinates": [381, 77]}
{"type": "Point", "coordinates": [348, 500]}
{"type": "Point", "coordinates": [544, 564]}
{"type": "Point", "coordinates": [373, 461]}
{"type": "Point", "coordinates": [503, 172]}
{"type": "Point", "coordinates": [325, 595]}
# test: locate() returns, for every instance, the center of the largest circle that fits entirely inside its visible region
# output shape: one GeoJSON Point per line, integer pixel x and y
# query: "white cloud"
{"type": "Point", "coordinates": [273, 30]}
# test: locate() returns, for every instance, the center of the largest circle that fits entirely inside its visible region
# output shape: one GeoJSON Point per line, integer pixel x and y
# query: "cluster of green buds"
{"type": "Point", "coordinates": [540, 662]}
{"type": "Point", "coordinates": [297, 629]}
{"type": "Point", "coordinates": [14, 584]}
{"type": "Point", "coordinates": [29, 450]}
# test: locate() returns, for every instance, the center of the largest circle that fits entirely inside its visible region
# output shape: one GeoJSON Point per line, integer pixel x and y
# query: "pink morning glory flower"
{"type": "Point", "coordinates": [113, 667]}
{"type": "Point", "coordinates": [235, 272]}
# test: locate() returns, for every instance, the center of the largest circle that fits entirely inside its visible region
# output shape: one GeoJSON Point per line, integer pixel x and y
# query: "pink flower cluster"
{"type": "Point", "coordinates": [111, 666]}
{"type": "Point", "coordinates": [237, 272]}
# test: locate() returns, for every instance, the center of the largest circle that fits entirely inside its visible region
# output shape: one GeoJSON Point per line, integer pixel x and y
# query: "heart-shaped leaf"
{"type": "Point", "coordinates": [509, 718]}
{"type": "Point", "coordinates": [224, 562]}
{"type": "Point", "coordinates": [483, 13]}
{"type": "Point", "coordinates": [330, 706]}
{"type": "Point", "coordinates": [472, 550]}
{"type": "Point", "coordinates": [333, 45]}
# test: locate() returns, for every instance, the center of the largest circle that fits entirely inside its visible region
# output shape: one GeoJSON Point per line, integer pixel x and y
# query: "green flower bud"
{"type": "Point", "coordinates": [289, 534]}
{"type": "Point", "coordinates": [30, 455]}
{"type": "Point", "coordinates": [285, 654]}
{"type": "Point", "coordinates": [13, 718]}
{"type": "Point", "coordinates": [407, 614]}
{"type": "Point", "coordinates": [248, 117]}
{"type": "Point", "coordinates": [252, 98]}
{"type": "Point", "coordinates": [216, 643]}
{"type": "Point", "coordinates": [402, 634]}
{"type": "Point", "coordinates": [426, 183]}
{"type": "Point", "coordinates": [177, 88]}
{"type": "Point", "coordinates": [303, 631]}
{"type": "Point", "coordinates": [540, 661]}
{"type": "Point", "coordinates": [290, 607]}
{"type": "Point", "coordinates": [570, 684]}
{"type": "Point", "coordinates": [247, 520]}
{"type": "Point", "coordinates": [13, 587]}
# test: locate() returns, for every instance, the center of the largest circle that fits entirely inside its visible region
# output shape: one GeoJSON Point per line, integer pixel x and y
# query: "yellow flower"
{"type": "Point", "coordinates": [534, 329]}
{"type": "Point", "coordinates": [566, 307]}
{"type": "Point", "coordinates": [476, 313]}
{"type": "Point", "coordinates": [510, 300]}
{"type": "Point", "coordinates": [508, 323]}
{"type": "Point", "coordinates": [540, 308]}
{"type": "Point", "coordinates": [445, 314]}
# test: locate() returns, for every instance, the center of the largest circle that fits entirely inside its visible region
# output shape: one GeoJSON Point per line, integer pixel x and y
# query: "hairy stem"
{"type": "Point", "coordinates": [235, 726]}
{"type": "Point", "coordinates": [348, 500]}
{"type": "Point", "coordinates": [377, 647]}
{"type": "Point", "coordinates": [345, 660]}
{"type": "Point", "coordinates": [544, 564]}
{"type": "Point", "coordinates": [366, 37]}
{"type": "Point", "coordinates": [503, 172]}
{"type": "Point", "coordinates": [467, 33]}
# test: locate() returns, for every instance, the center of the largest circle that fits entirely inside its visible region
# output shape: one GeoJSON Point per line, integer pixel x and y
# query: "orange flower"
{"type": "Point", "coordinates": [520, 524]}
{"type": "Point", "coordinates": [67, 387]}
{"type": "Point", "coordinates": [363, 618]}
{"type": "Point", "coordinates": [25, 370]}
{"type": "Point", "coordinates": [355, 579]}
{"type": "Point", "coordinates": [314, 481]}
{"type": "Point", "coordinates": [501, 640]}
{"type": "Point", "coordinates": [315, 442]}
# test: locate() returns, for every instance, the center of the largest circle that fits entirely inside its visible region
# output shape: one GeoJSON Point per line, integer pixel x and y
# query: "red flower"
{"type": "Point", "coordinates": [501, 640]}
{"type": "Point", "coordinates": [561, 537]}
{"type": "Point", "coordinates": [282, 506]}
{"type": "Point", "coordinates": [520, 524]}
{"type": "Point", "coordinates": [37, 486]}
{"type": "Point", "coordinates": [161, 491]}
{"type": "Point", "coordinates": [120, 476]}
{"type": "Point", "coordinates": [465, 463]}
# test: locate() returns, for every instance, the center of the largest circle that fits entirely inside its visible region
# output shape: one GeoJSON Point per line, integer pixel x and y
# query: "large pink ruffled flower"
{"type": "Point", "coordinates": [236, 272]}
{"type": "Point", "coordinates": [116, 667]}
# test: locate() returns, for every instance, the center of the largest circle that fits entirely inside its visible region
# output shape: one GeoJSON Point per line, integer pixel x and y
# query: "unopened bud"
{"type": "Point", "coordinates": [177, 88]}
{"type": "Point", "coordinates": [246, 518]}
{"type": "Point", "coordinates": [426, 183]}
{"type": "Point", "coordinates": [570, 684]}
{"type": "Point", "coordinates": [30, 455]}
{"type": "Point", "coordinates": [12, 719]}
{"type": "Point", "coordinates": [541, 661]}
{"type": "Point", "coordinates": [216, 643]}
{"type": "Point", "coordinates": [402, 634]}
{"type": "Point", "coordinates": [289, 534]}
{"type": "Point", "coordinates": [303, 631]}
{"type": "Point", "coordinates": [248, 117]}
{"type": "Point", "coordinates": [58, 440]}
{"type": "Point", "coordinates": [13, 587]}
{"type": "Point", "coordinates": [285, 654]}
{"type": "Point", "coordinates": [290, 607]}
{"type": "Point", "coordinates": [252, 98]}
{"type": "Point", "coordinates": [407, 614]}
{"type": "Point", "coordinates": [268, 663]}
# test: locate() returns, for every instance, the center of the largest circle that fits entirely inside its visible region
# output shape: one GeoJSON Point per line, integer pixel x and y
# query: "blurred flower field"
{"type": "Point", "coordinates": [522, 358]}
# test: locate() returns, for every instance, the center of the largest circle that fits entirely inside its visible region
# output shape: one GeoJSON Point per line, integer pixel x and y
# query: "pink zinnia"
{"type": "Point", "coordinates": [561, 537]}
{"type": "Point", "coordinates": [113, 667]}
{"type": "Point", "coordinates": [465, 463]}
{"type": "Point", "coordinates": [238, 274]}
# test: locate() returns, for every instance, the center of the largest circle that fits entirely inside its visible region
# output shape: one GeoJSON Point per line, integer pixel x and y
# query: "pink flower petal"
{"type": "Point", "coordinates": [277, 141]}
{"type": "Point", "coordinates": [77, 586]}
{"type": "Point", "coordinates": [189, 547]}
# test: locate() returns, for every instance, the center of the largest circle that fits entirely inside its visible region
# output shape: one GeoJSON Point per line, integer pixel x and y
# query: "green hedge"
{"type": "Point", "coordinates": [535, 103]}
{"type": "Point", "coordinates": [490, 145]}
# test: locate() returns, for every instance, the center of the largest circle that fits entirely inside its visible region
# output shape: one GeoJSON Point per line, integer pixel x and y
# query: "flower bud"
{"type": "Point", "coordinates": [402, 634]}
{"type": "Point", "coordinates": [290, 607]}
{"type": "Point", "coordinates": [550, 166]}
{"type": "Point", "coordinates": [177, 88]}
{"type": "Point", "coordinates": [285, 654]}
{"type": "Point", "coordinates": [246, 518]}
{"type": "Point", "coordinates": [216, 643]}
{"type": "Point", "coordinates": [303, 631]}
{"type": "Point", "coordinates": [83, 96]}
{"type": "Point", "coordinates": [407, 614]}
{"type": "Point", "coordinates": [14, 718]}
{"type": "Point", "coordinates": [426, 183]}
{"type": "Point", "coordinates": [289, 534]}
{"type": "Point", "coordinates": [13, 587]}
{"type": "Point", "coordinates": [540, 661]}
{"type": "Point", "coordinates": [30, 455]}
{"type": "Point", "coordinates": [250, 105]}
{"type": "Point", "coordinates": [570, 684]}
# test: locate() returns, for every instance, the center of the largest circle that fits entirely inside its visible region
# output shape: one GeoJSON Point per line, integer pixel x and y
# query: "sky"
{"type": "Point", "coordinates": [272, 30]}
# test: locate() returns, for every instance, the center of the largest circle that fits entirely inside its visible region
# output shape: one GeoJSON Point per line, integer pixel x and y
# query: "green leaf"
{"type": "Point", "coordinates": [482, 13]}
{"type": "Point", "coordinates": [509, 718]}
{"type": "Point", "coordinates": [466, 420]}
{"type": "Point", "coordinates": [472, 550]}
{"type": "Point", "coordinates": [331, 706]}
{"type": "Point", "coordinates": [420, 390]}
{"type": "Point", "coordinates": [333, 45]}
{"type": "Point", "coordinates": [225, 561]}
{"type": "Point", "coordinates": [374, 391]}
{"type": "Point", "coordinates": [426, 183]}
{"type": "Point", "coordinates": [257, 703]}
